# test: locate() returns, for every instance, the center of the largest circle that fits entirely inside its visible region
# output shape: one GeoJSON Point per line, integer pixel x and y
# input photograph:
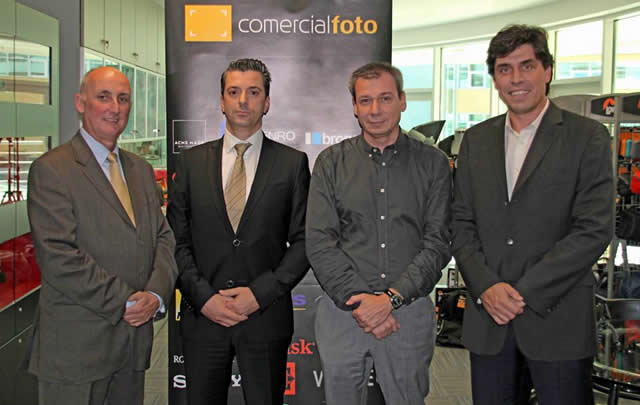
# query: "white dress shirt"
{"type": "Point", "coordinates": [516, 146]}
{"type": "Point", "coordinates": [251, 157]}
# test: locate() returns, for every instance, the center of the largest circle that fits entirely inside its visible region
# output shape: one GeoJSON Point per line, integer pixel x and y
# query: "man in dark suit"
{"type": "Point", "coordinates": [105, 252]}
{"type": "Point", "coordinates": [237, 206]}
{"type": "Point", "coordinates": [532, 213]}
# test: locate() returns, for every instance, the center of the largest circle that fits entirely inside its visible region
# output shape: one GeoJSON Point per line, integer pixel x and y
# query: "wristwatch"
{"type": "Point", "coordinates": [396, 300]}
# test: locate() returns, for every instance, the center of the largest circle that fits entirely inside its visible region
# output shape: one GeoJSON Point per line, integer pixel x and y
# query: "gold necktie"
{"type": "Point", "coordinates": [119, 186]}
{"type": "Point", "coordinates": [236, 189]}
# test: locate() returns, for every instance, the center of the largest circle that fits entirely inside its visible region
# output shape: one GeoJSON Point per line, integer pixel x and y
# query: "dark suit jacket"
{"type": "Point", "coordinates": [92, 259]}
{"type": "Point", "coordinates": [209, 253]}
{"type": "Point", "coordinates": [544, 241]}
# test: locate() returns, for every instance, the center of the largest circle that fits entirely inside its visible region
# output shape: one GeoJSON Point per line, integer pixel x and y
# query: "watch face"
{"type": "Point", "coordinates": [396, 301]}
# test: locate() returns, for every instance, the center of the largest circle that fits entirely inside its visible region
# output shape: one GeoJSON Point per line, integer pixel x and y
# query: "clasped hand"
{"type": "Point", "coordinates": [502, 302]}
{"type": "Point", "coordinates": [144, 308]}
{"type": "Point", "coordinates": [373, 314]}
{"type": "Point", "coordinates": [231, 306]}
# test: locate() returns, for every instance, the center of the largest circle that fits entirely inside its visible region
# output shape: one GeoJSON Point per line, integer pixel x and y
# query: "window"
{"type": "Point", "coordinates": [627, 57]}
{"type": "Point", "coordinates": [579, 51]}
{"type": "Point", "coordinates": [466, 90]}
{"type": "Point", "coordinates": [416, 66]}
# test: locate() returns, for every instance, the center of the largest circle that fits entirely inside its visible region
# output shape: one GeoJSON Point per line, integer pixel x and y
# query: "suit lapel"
{"type": "Point", "coordinates": [495, 151]}
{"type": "Point", "coordinates": [260, 181]}
{"type": "Point", "coordinates": [136, 188]}
{"type": "Point", "coordinates": [94, 173]}
{"type": "Point", "coordinates": [542, 141]}
{"type": "Point", "coordinates": [214, 170]}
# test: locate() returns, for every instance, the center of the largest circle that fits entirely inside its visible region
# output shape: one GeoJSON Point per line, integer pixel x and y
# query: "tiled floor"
{"type": "Point", "coordinates": [450, 381]}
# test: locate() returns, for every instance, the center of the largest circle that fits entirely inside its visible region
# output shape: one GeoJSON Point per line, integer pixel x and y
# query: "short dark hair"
{"type": "Point", "coordinates": [373, 71]}
{"type": "Point", "coordinates": [513, 36]}
{"type": "Point", "coordinates": [244, 65]}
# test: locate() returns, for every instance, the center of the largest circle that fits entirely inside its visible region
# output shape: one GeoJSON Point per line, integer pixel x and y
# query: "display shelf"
{"type": "Point", "coordinates": [618, 111]}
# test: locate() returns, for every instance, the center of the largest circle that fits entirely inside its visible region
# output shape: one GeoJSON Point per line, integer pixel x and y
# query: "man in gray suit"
{"type": "Point", "coordinates": [105, 252]}
{"type": "Point", "coordinates": [532, 213]}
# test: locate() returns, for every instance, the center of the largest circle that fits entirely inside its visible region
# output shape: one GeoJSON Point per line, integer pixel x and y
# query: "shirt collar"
{"type": "Point", "coordinates": [533, 126]}
{"type": "Point", "coordinates": [99, 150]}
{"type": "Point", "coordinates": [399, 145]}
{"type": "Point", "coordinates": [230, 141]}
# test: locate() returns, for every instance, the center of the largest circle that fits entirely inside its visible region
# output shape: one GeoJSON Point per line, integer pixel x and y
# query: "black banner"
{"type": "Point", "coordinates": [311, 48]}
{"type": "Point", "coordinates": [604, 106]}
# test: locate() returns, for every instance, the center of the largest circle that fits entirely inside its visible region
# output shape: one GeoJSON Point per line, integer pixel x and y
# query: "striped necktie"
{"type": "Point", "coordinates": [119, 186]}
{"type": "Point", "coordinates": [236, 190]}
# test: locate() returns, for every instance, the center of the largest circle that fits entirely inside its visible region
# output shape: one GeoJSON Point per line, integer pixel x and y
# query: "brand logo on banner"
{"type": "Point", "coordinates": [281, 135]}
{"type": "Point", "coordinates": [207, 23]}
{"type": "Point", "coordinates": [213, 23]}
{"type": "Point", "coordinates": [188, 133]}
{"type": "Point", "coordinates": [321, 138]}
{"type": "Point", "coordinates": [603, 106]}
{"type": "Point", "coordinates": [178, 296]}
{"type": "Point", "coordinates": [301, 347]}
{"type": "Point", "coordinates": [326, 25]}
{"type": "Point", "coordinates": [299, 302]}
{"type": "Point", "coordinates": [291, 379]}
{"type": "Point", "coordinates": [631, 104]}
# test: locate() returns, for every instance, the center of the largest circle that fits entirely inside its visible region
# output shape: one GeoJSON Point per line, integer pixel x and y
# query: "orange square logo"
{"type": "Point", "coordinates": [290, 388]}
{"type": "Point", "coordinates": [207, 23]}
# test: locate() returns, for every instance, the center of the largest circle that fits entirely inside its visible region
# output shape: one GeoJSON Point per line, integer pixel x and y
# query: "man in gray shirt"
{"type": "Point", "coordinates": [377, 239]}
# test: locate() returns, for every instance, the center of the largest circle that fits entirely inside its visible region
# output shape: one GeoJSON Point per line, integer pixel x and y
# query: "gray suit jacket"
{"type": "Point", "coordinates": [92, 259]}
{"type": "Point", "coordinates": [544, 241]}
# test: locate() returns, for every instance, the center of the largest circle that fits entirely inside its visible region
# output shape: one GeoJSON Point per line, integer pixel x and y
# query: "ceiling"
{"type": "Point", "coordinates": [420, 13]}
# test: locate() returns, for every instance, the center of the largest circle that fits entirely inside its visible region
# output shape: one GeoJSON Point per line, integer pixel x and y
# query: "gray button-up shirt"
{"type": "Point", "coordinates": [379, 220]}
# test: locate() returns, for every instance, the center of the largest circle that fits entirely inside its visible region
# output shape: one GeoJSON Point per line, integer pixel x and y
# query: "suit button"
{"type": "Point", "coordinates": [510, 242]}
{"type": "Point", "coordinates": [506, 203]}
{"type": "Point", "coordinates": [229, 283]}
{"type": "Point", "coordinates": [236, 242]}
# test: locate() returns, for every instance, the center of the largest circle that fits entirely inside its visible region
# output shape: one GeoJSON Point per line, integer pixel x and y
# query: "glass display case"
{"type": "Point", "coordinates": [19, 272]}
{"type": "Point", "coordinates": [145, 134]}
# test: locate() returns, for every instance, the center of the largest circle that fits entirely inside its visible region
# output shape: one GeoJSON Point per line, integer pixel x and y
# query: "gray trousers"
{"type": "Point", "coordinates": [401, 359]}
{"type": "Point", "coordinates": [121, 388]}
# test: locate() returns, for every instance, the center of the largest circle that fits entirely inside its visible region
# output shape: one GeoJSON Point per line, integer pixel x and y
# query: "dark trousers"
{"type": "Point", "coordinates": [506, 378]}
{"type": "Point", "coordinates": [208, 359]}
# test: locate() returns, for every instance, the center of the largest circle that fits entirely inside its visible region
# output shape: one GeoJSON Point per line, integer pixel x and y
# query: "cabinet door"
{"type": "Point", "coordinates": [8, 17]}
{"type": "Point", "coordinates": [140, 105]}
{"type": "Point", "coordinates": [112, 27]}
{"type": "Point", "coordinates": [94, 25]}
{"type": "Point", "coordinates": [128, 25]}
{"type": "Point", "coordinates": [17, 386]}
{"type": "Point", "coordinates": [141, 32]}
{"type": "Point", "coordinates": [8, 214]}
{"type": "Point", "coordinates": [152, 34]}
{"type": "Point", "coordinates": [161, 43]}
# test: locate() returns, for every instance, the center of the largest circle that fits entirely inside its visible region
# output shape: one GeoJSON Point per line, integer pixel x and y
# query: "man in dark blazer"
{"type": "Point", "coordinates": [532, 213]}
{"type": "Point", "coordinates": [106, 259]}
{"type": "Point", "coordinates": [237, 206]}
